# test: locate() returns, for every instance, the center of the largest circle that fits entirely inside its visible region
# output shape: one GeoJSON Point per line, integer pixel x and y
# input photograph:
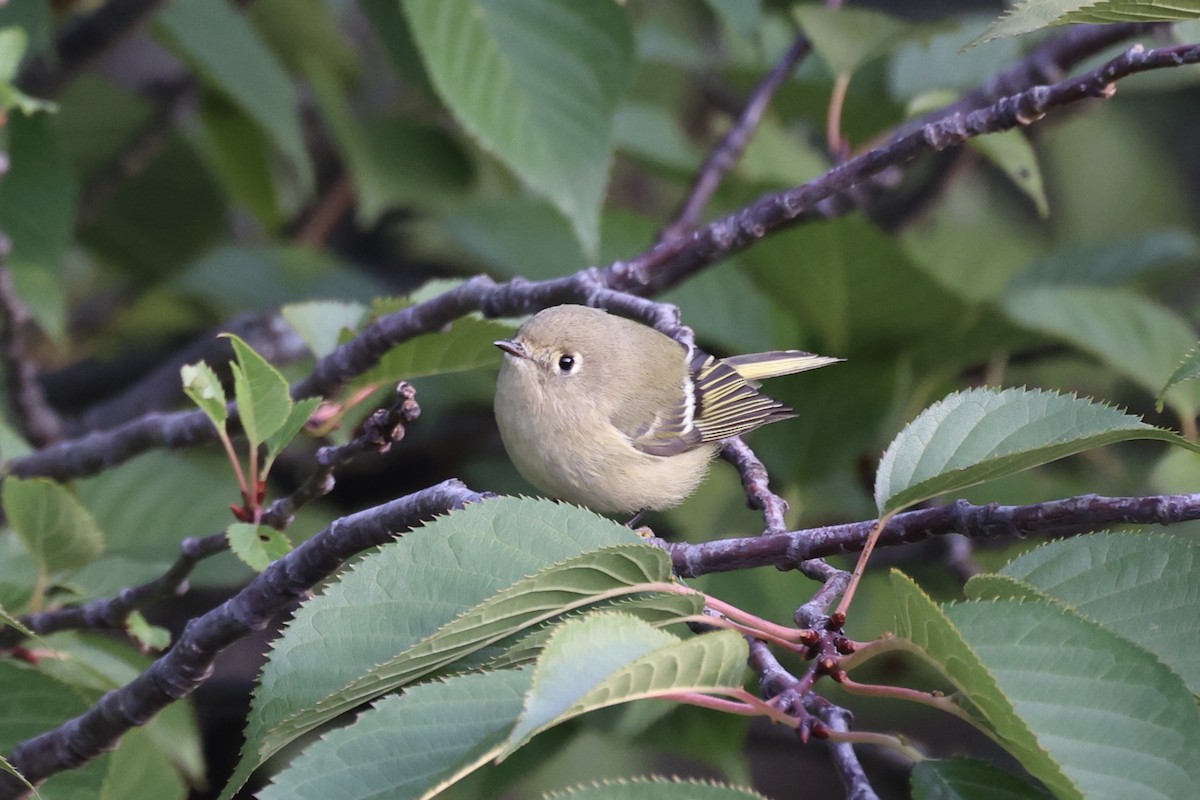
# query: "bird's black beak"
{"type": "Point", "coordinates": [512, 347]}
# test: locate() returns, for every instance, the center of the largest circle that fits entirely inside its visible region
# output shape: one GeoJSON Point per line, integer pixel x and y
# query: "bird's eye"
{"type": "Point", "coordinates": [566, 364]}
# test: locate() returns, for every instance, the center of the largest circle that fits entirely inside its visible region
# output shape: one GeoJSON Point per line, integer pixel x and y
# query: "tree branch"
{"type": "Point", "coordinates": [81, 42]}
{"type": "Point", "coordinates": [729, 149]}
{"type": "Point", "coordinates": [189, 662]}
{"type": "Point", "coordinates": [1056, 517]}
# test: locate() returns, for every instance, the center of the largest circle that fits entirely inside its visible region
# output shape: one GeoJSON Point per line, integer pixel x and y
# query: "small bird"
{"type": "Point", "coordinates": [605, 412]}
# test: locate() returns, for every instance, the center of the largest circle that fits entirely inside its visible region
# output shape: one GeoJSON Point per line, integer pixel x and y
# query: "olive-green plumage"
{"type": "Point", "coordinates": [602, 411]}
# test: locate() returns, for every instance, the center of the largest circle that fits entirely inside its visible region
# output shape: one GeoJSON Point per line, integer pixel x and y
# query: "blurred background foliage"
{"type": "Point", "coordinates": [226, 159]}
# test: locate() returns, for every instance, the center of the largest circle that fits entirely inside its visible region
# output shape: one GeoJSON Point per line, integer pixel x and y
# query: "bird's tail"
{"type": "Point", "coordinates": [760, 366]}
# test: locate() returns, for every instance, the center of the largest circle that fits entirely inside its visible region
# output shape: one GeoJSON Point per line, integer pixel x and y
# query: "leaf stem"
{"type": "Point", "coordinates": [861, 566]}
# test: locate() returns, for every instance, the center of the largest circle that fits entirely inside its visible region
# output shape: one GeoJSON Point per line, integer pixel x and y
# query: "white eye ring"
{"type": "Point", "coordinates": [569, 363]}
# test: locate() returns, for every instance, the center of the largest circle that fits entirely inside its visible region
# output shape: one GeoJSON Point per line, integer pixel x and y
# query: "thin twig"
{"type": "Point", "coordinates": [38, 423]}
{"type": "Point", "coordinates": [849, 769]}
{"type": "Point", "coordinates": [757, 484]}
{"type": "Point", "coordinates": [725, 154]}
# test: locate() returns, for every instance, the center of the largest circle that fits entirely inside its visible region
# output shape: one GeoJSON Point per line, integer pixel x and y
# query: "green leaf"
{"type": "Point", "coordinates": [409, 745]}
{"type": "Point", "coordinates": [263, 399]}
{"type": "Point", "coordinates": [143, 533]}
{"type": "Point", "coordinates": [847, 38]}
{"type": "Point", "coordinates": [204, 387]}
{"type": "Point", "coordinates": [1140, 586]}
{"type": "Point", "coordinates": [260, 278]}
{"type": "Point", "coordinates": [392, 163]}
{"type": "Point", "coordinates": [225, 48]}
{"type": "Point", "coordinates": [37, 210]}
{"type": "Point", "coordinates": [240, 154]}
{"type": "Point", "coordinates": [537, 83]}
{"type": "Point", "coordinates": [1084, 712]}
{"type": "Point", "coordinates": [1032, 15]}
{"type": "Point", "coordinates": [149, 226]}
{"type": "Point", "coordinates": [466, 345]}
{"type": "Point", "coordinates": [1135, 337]}
{"type": "Point", "coordinates": [609, 658]}
{"type": "Point", "coordinates": [1112, 263]}
{"type": "Point", "coordinates": [57, 531]}
{"type": "Point", "coordinates": [981, 434]}
{"type": "Point", "coordinates": [968, 779]}
{"type": "Point", "coordinates": [1188, 370]}
{"type": "Point", "coordinates": [13, 42]}
{"type": "Point", "coordinates": [257, 545]}
{"type": "Point", "coordinates": [1012, 153]}
{"type": "Point", "coordinates": [281, 438]}
{"type": "Point", "coordinates": [395, 611]}
{"type": "Point", "coordinates": [321, 323]}
{"type": "Point", "coordinates": [655, 788]}
{"type": "Point", "coordinates": [148, 637]}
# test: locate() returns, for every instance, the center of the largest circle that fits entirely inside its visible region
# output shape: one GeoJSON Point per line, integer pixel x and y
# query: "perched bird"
{"type": "Point", "coordinates": [602, 411]}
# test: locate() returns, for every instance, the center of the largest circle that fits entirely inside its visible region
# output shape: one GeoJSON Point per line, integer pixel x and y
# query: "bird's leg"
{"type": "Point", "coordinates": [635, 519]}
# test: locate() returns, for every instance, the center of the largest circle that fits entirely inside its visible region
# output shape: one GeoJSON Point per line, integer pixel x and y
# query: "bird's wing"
{"type": "Point", "coordinates": [727, 403]}
{"type": "Point", "coordinates": [718, 402]}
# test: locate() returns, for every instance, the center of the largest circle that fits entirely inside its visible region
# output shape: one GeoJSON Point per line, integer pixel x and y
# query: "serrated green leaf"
{"type": "Point", "coordinates": [1188, 370]}
{"type": "Point", "coordinates": [257, 545]}
{"type": "Point", "coordinates": [655, 788]}
{"type": "Point", "coordinates": [1116, 719]}
{"type": "Point", "coordinates": [296, 418]}
{"type": "Point", "coordinates": [409, 745]}
{"type": "Point", "coordinates": [537, 83]}
{"type": "Point", "coordinates": [1137, 338]}
{"type": "Point", "coordinates": [57, 531]}
{"type": "Point", "coordinates": [981, 434]}
{"type": "Point", "coordinates": [262, 393]}
{"type": "Point", "coordinates": [927, 627]}
{"type": "Point", "coordinates": [609, 658]}
{"type": "Point", "coordinates": [225, 48]}
{"type": "Point", "coordinates": [148, 637]}
{"type": "Point", "coordinates": [1012, 153]}
{"type": "Point", "coordinates": [398, 604]}
{"type": "Point", "coordinates": [1108, 718]}
{"type": "Point", "coordinates": [203, 386]}
{"type": "Point", "coordinates": [1032, 15]}
{"type": "Point", "coordinates": [847, 38]}
{"type": "Point", "coordinates": [968, 779]}
{"type": "Point", "coordinates": [466, 345]}
{"type": "Point", "coordinates": [321, 323]}
{"type": "Point", "coordinates": [1140, 586]}
{"type": "Point", "coordinates": [560, 589]}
